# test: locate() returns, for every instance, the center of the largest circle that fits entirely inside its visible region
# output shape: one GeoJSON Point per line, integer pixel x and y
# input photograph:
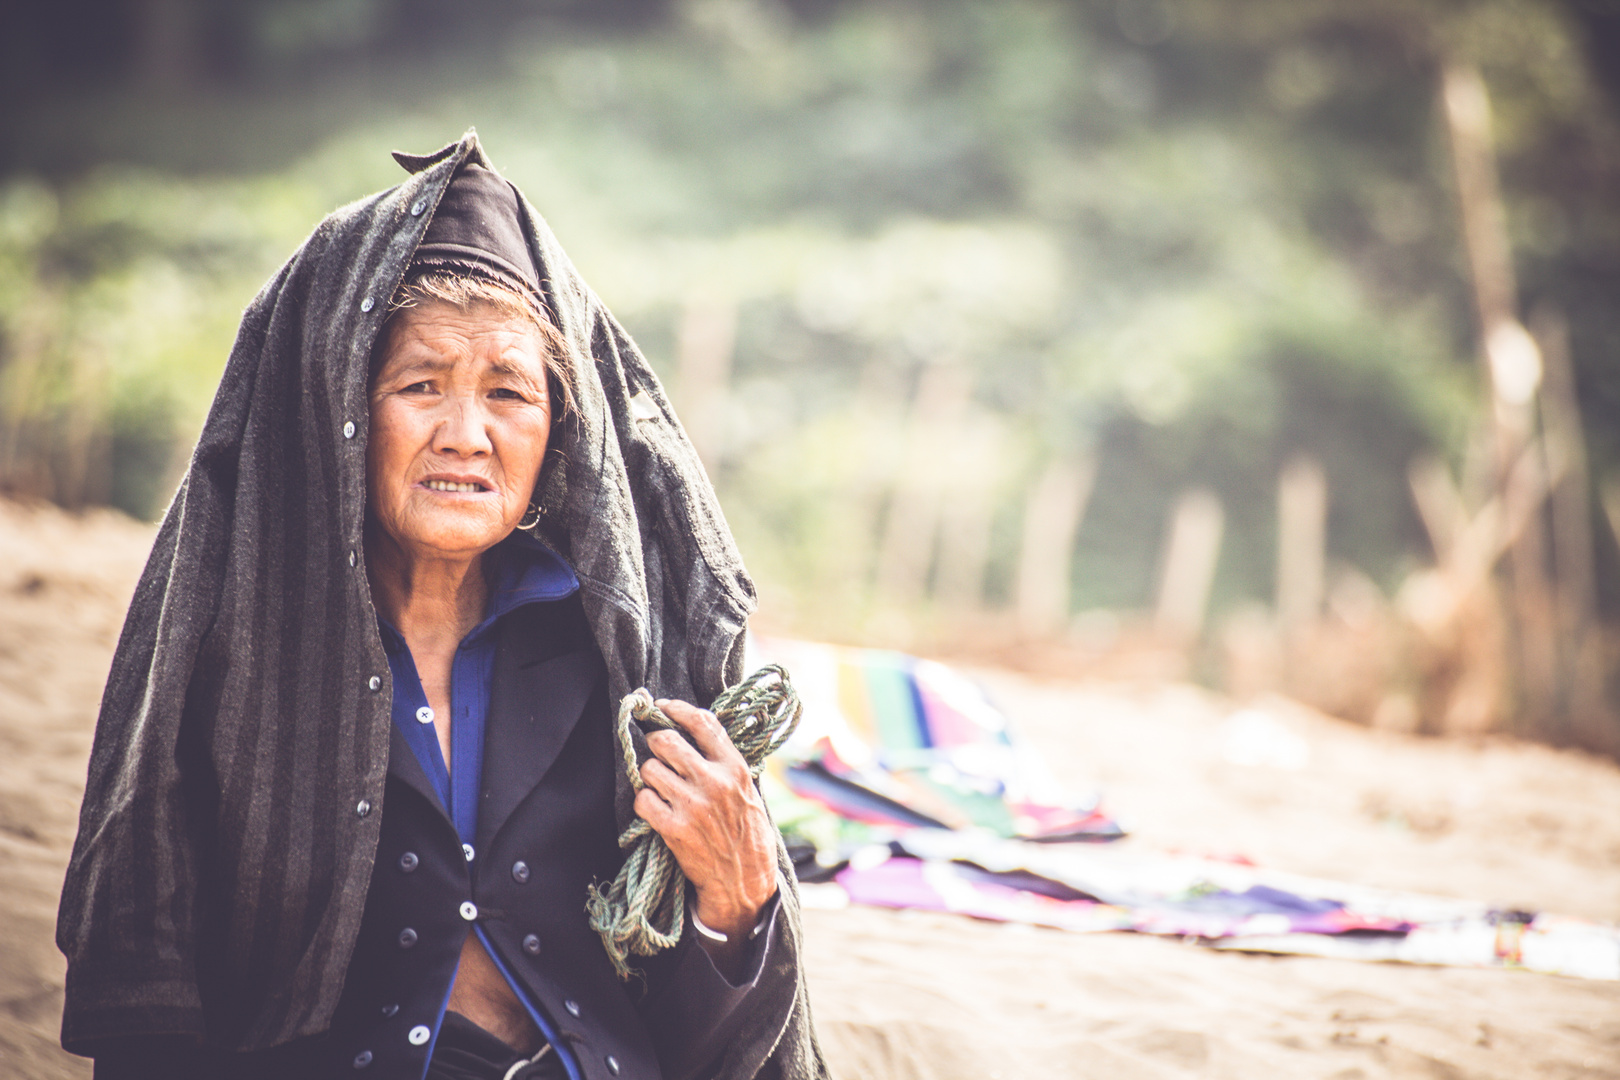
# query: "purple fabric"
{"type": "Point", "coordinates": [905, 882]}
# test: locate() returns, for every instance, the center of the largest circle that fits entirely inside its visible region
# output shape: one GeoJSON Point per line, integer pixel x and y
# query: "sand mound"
{"type": "Point", "coordinates": [933, 997]}
{"type": "Point", "coordinates": [64, 583]}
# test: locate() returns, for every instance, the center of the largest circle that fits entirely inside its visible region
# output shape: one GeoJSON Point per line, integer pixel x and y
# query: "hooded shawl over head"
{"type": "Point", "coordinates": [231, 815]}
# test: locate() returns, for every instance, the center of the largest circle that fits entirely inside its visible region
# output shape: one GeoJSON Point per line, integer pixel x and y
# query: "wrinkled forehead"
{"type": "Point", "coordinates": [438, 336]}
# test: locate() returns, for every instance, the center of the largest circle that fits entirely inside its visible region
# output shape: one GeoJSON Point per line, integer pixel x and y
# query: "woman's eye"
{"type": "Point", "coordinates": [423, 387]}
{"type": "Point", "coordinates": [505, 393]}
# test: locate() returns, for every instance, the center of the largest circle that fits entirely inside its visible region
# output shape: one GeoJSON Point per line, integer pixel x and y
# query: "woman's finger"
{"type": "Point", "coordinates": [654, 810]}
{"type": "Point", "coordinates": [671, 787]}
{"type": "Point", "coordinates": [677, 753]}
{"type": "Point", "coordinates": [704, 728]}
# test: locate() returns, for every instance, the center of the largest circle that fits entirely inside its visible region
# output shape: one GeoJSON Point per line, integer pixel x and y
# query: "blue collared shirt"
{"type": "Point", "coordinates": [522, 571]}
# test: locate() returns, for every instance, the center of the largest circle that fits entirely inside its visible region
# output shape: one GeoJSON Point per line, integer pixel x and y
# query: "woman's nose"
{"type": "Point", "coordinates": [462, 430]}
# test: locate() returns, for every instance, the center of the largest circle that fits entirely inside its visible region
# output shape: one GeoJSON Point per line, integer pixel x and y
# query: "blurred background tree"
{"type": "Point", "coordinates": [996, 323]}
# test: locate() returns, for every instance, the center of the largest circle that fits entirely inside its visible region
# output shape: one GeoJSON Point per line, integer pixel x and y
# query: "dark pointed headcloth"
{"type": "Point", "coordinates": [476, 231]}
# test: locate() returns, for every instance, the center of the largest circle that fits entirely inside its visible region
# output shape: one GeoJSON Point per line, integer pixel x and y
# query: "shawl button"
{"type": "Point", "coordinates": [417, 207]}
{"type": "Point", "coordinates": [362, 808]}
{"type": "Point", "coordinates": [348, 429]}
{"type": "Point", "coordinates": [409, 862]}
{"type": "Point", "coordinates": [367, 304]}
{"type": "Point", "coordinates": [407, 938]}
{"type": "Point", "coordinates": [362, 1059]}
{"type": "Point", "coordinates": [375, 682]}
{"type": "Point", "coordinates": [520, 872]}
{"type": "Point", "coordinates": [531, 944]}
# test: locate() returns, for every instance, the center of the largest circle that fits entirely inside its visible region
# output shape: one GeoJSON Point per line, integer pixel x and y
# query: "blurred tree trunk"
{"type": "Point", "coordinates": [27, 431]}
{"type": "Point", "coordinates": [967, 517]}
{"type": "Point", "coordinates": [1302, 504]}
{"type": "Point", "coordinates": [704, 343]}
{"type": "Point", "coordinates": [906, 552]}
{"type": "Point", "coordinates": [1513, 372]}
{"type": "Point", "coordinates": [1588, 720]}
{"type": "Point", "coordinates": [1052, 514]}
{"type": "Point", "coordinates": [1190, 558]}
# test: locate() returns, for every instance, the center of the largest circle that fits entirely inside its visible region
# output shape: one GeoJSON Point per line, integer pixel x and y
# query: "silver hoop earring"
{"type": "Point", "coordinates": [526, 523]}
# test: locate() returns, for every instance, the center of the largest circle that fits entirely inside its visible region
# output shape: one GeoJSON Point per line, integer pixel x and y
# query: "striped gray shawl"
{"type": "Point", "coordinates": [230, 817]}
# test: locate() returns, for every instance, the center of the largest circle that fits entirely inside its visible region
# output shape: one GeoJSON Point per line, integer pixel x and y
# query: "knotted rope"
{"type": "Point", "coordinates": [644, 909]}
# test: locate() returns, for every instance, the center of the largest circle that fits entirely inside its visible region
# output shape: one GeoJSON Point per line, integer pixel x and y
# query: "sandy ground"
{"type": "Point", "coordinates": [934, 997]}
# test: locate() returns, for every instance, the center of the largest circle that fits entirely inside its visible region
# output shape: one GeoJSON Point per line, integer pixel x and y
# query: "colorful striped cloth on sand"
{"type": "Point", "coordinates": [905, 787]}
{"type": "Point", "coordinates": [892, 742]}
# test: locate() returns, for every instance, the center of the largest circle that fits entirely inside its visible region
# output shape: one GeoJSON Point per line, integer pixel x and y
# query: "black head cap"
{"type": "Point", "coordinates": [476, 230]}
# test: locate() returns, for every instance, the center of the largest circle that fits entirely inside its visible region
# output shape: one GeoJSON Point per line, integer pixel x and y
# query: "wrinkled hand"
{"type": "Point", "coordinates": [704, 804]}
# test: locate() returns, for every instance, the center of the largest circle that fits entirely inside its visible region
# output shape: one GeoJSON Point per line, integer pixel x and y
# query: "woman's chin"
{"type": "Point", "coordinates": [454, 532]}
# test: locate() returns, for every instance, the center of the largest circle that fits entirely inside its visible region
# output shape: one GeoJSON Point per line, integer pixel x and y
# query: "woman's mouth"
{"type": "Point", "coordinates": [452, 485]}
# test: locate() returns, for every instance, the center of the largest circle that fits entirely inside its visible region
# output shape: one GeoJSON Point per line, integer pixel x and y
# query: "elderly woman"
{"type": "Point", "coordinates": [354, 774]}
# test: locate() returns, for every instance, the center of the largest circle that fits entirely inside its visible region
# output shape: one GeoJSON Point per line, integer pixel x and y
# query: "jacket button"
{"type": "Point", "coordinates": [531, 944]}
{"type": "Point", "coordinates": [409, 861]}
{"type": "Point", "coordinates": [362, 1059]}
{"type": "Point", "coordinates": [573, 1008]}
{"type": "Point", "coordinates": [469, 910]}
{"type": "Point", "coordinates": [520, 872]}
{"type": "Point", "coordinates": [613, 1065]}
{"type": "Point", "coordinates": [390, 1010]}
{"type": "Point", "coordinates": [467, 850]}
{"type": "Point", "coordinates": [419, 1035]}
{"type": "Point", "coordinates": [362, 808]}
{"type": "Point", "coordinates": [407, 938]}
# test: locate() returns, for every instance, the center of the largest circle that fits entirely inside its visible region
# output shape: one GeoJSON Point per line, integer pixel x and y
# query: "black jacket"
{"type": "Point", "coordinates": [545, 833]}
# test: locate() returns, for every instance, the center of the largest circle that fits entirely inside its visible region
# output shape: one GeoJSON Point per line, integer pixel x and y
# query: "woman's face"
{"type": "Point", "coordinates": [460, 415]}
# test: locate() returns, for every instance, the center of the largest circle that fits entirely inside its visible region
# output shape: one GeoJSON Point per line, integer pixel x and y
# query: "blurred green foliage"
{"type": "Point", "coordinates": [1195, 238]}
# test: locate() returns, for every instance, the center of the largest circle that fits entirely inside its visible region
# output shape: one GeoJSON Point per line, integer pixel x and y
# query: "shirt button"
{"type": "Point", "coordinates": [408, 861]}
{"type": "Point", "coordinates": [375, 683]}
{"type": "Point", "coordinates": [469, 910]}
{"type": "Point", "coordinates": [467, 850]}
{"type": "Point", "coordinates": [419, 1035]}
{"type": "Point", "coordinates": [613, 1065]}
{"type": "Point", "coordinates": [362, 1059]}
{"type": "Point", "coordinates": [348, 429]}
{"type": "Point", "coordinates": [390, 1010]}
{"type": "Point", "coordinates": [407, 938]}
{"type": "Point", "coordinates": [424, 715]}
{"type": "Point", "coordinates": [362, 808]}
{"type": "Point", "coordinates": [531, 944]}
{"type": "Point", "coordinates": [573, 1008]}
{"type": "Point", "coordinates": [520, 872]}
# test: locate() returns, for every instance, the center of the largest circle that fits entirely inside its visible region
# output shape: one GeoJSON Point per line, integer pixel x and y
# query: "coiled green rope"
{"type": "Point", "coordinates": [644, 909]}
